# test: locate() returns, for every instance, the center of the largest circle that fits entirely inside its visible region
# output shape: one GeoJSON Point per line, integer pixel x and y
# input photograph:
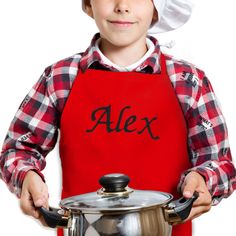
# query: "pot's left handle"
{"type": "Point", "coordinates": [179, 210]}
{"type": "Point", "coordinates": [53, 218]}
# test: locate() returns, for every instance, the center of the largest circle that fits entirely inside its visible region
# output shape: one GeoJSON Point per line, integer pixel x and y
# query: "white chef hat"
{"type": "Point", "coordinates": [171, 14]}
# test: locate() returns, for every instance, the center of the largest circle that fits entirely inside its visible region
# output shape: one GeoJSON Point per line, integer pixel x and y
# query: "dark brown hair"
{"type": "Point", "coordinates": [86, 2]}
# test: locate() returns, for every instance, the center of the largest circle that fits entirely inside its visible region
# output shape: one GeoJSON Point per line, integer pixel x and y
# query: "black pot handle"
{"type": "Point", "coordinates": [53, 218]}
{"type": "Point", "coordinates": [179, 210]}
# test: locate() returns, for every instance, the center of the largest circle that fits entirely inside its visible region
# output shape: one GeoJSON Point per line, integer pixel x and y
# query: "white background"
{"type": "Point", "coordinates": [35, 34]}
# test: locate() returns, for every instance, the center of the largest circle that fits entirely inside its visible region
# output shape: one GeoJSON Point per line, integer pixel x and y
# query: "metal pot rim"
{"type": "Point", "coordinates": [72, 205]}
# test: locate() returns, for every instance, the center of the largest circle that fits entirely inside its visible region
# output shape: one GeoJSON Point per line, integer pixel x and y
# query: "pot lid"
{"type": "Point", "coordinates": [115, 196]}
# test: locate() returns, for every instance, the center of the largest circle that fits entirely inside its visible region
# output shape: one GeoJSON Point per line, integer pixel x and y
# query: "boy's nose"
{"type": "Point", "coordinates": [122, 6]}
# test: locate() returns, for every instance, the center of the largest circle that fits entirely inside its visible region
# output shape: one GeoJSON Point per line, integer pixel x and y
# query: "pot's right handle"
{"type": "Point", "coordinates": [53, 218]}
{"type": "Point", "coordinates": [179, 210]}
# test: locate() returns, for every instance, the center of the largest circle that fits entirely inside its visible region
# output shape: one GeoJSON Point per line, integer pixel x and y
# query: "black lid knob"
{"type": "Point", "coordinates": [114, 182]}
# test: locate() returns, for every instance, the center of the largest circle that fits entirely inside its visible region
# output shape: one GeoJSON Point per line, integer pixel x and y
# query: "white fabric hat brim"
{"type": "Point", "coordinates": [172, 14]}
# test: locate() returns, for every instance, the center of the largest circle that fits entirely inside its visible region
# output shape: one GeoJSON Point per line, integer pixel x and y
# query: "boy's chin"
{"type": "Point", "coordinates": [121, 40]}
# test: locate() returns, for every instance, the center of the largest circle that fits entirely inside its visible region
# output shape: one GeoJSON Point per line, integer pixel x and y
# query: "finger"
{"type": "Point", "coordinates": [197, 211]}
{"type": "Point", "coordinates": [27, 206]}
{"type": "Point", "coordinates": [39, 196]}
{"type": "Point", "coordinates": [190, 185]}
{"type": "Point", "coordinates": [42, 221]}
{"type": "Point", "coordinates": [204, 199]}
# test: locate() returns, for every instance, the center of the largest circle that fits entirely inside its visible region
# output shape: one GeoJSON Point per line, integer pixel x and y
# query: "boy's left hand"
{"type": "Point", "coordinates": [195, 182]}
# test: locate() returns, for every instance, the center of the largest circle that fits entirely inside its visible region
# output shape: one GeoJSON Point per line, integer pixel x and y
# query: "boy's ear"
{"type": "Point", "coordinates": [155, 17]}
{"type": "Point", "coordinates": [88, 10]}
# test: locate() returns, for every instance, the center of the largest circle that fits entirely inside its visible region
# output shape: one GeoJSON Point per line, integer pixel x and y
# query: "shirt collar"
{"type": "Point", "coordinates": [91, 57]}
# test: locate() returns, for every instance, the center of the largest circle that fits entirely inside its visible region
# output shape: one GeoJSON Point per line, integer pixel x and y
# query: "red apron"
{"type": "Point", "coordinates": [123, 122]}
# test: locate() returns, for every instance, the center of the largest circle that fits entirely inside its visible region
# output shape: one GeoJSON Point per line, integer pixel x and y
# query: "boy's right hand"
{"type": "Point", "coordinates": [34, 194]}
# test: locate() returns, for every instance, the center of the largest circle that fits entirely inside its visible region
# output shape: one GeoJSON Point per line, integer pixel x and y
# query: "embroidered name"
{"type": "Point", "coordinates": [102, 116]}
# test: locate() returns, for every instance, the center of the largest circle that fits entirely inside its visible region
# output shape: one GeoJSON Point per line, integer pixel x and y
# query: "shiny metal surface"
{"type": "Point", "coordinates": [147, 222]}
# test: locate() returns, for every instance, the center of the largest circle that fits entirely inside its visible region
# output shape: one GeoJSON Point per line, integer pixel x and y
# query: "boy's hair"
{"type": "Point", "coordinates": [87, 2]}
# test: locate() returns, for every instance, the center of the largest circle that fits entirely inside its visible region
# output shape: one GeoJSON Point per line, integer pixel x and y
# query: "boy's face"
{"type": "Point", "coordinates": [121, 22]}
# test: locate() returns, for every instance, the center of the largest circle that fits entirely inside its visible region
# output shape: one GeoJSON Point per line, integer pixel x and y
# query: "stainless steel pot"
{"type": "Point", "coordinates": [118, 210]}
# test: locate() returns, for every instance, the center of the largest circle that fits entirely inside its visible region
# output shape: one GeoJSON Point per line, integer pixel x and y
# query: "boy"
{"type": "Point", "coordinates": [124, 126]}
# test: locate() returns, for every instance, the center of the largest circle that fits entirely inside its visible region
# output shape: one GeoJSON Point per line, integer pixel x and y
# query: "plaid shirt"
{"type": "Point", "coordinates": [34, 130]}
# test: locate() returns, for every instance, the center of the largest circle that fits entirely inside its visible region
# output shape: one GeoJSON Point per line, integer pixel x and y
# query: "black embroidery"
{"type": "Point", "coordinates": [102, 116]}
{"type": "Point", "coordinates": [24, 102]}
{"type": "Point", "coordinates": [190, 78]}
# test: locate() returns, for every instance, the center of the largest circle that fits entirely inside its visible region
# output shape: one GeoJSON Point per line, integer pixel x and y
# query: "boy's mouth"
{"type": "Point", "coordinates": [121, 23]}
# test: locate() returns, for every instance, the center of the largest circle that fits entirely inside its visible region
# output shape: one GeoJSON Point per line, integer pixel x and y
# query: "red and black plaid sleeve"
{"type": "Point", "coordinates": [209, 150]}
{"type": "Point", "coordinates": [34, 129]}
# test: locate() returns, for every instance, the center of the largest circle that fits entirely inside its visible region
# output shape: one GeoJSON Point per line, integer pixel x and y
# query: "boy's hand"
{"type": "Point", "coordinates": [34, 194]}
{"type": "Point", "coordinates": [195, 182]}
